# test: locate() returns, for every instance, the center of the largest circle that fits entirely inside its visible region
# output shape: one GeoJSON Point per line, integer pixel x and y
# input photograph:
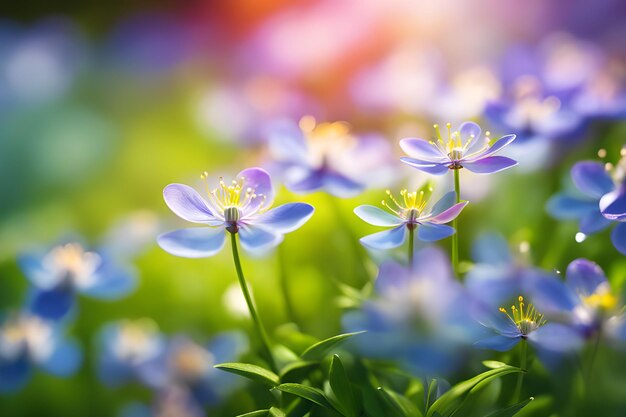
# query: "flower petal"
{"type": "Point", "coordinates": [287, 142]}
{"type": "Point", "coordinates": [448, 215]}
{"type": "Point", "coordinates": [376, 216]}
{"type": "Point", "coordinates": [593, 222]}
{"type": "Point", "coordinates": [493, 285]}
{"type": "Point", "coordinates": [259, 180]}
{"type": "Point", "coordinates": [52, 304]}
{"type": "Point", "coordinates": [431, 232]}
{"type": "Point", "coordinates": [613, 205]}
{"type": "Point", "coordinates": [305, 180]}
{"type": "Point", "coordinates": [444, 203]}
{"type": "Point", "coordinates": [584, 276]}
{"type": "Point", "coordinates": [112, 282]}
{"type": "Point", "coordinates": [489, 165]}
{"type": "Point", "coordinates": [591, 178]}
{"type": "Point", "coordinates": [498, 145]}
{"type": "Point", "coordinates": [187, 204]}
{"type": "Point", "coordinates": [198, 242]}
{"type": "Point", "coordinates": [65, 359]}
{"type": "Point", "coordinates": [491, 248]}
{"type": "Point", "coordinates": [551, 295]}
{"type": "Point", "coordinates": [431, 168]}
{"type": "Point", "coordinates": [498, 342]}
{"type": "Point", "coordinates": [469, 129]}
{"type": "Point", "coordinates": [618, 237]}
{"type": "Point", "coordinates": [387, 239]}
{"type": "Point", "coordinates": [254, 238]}
{"type": "Point", "coordinates": [564, 207]}
{"type": "Point", "coordinates": [556, 337]}
{"type": "Point", "coordinates": [422, 149]}
{"type": "Point", "coordinates": [285, 218]}
{"type": "Point", "coordinates": [14, 374]}
{"type": "Point", "coordinates": [341, 186]}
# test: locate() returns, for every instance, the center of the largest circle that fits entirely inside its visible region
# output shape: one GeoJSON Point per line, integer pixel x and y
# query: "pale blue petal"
{"type": "Point", "coordinates": [260, 182]}
{"type": "Point", "coordinates": [500, 143]}
{"type": "Point", "coordinates": [430, 232]}
{"type": "Point", "coordinates": [489, 165]}
{"type": "Point", "coordinates": [387, 239]}
{"type": "Point", "coordinates": [254, 238]}
{"type": "Point", "coordinates": [584, 276]}
{"type": "Point", "coordinates": [187, 204]}
{"type": "Point", "coordinates": [112, 282]}
{"type": "Point", "coordinates": [64, 360]}
{"type": "Point", "coordinates": [491, 248]}
{"type": "Point", "coordinates": [469, 129]}
{"type": "Point", "coordinates": [422, 149]}
{"type": "Point", "coordinates": [341, 186]}
{"type": "Point", "coordinates": [447, 215]}
{"type": "Point", "coordinates": [285, 218]}
{"type": "Point", "coordinates": [550, 294]}
{"type": "Point", "coordinates": [377, 217]}
{"type": "Point", "coordinates": [493, 284]}
{"type": "Point", "coordinates": [618, 237]}
{"type": "Point", "coordinates": [428, 167]}
{"type": "Point", "coordinates": [564, 207]}
{"type": "Point", "coordinates": [498, 342]}
{"type": "Point", "coordinates": [313, 180]}
{"type": "Point", "coordinates": [591, 178]}
{"type": "Point", "coordinates": [556, 337]}
{"type": "Point", "coordinates": [228, 346]}
{"type": "Point", "coordinates": [593, 222]}
{"type": "Point", "coordinates": [493, 319]}
{"type": "Point", "coordinates": [613, 205]}
{"type": "Point", "coordinates": [197, 242]}
{"type": "Point", "coordinates": [392, 277]}
{"type": "Point", "coordinates": [287, 142]}
{"type": "Point", "coordinates": [444, 203]}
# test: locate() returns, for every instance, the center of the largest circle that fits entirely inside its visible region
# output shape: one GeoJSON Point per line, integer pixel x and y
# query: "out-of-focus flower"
{"type": "Point", "coordinates": [68, 269]}
{"type": "Point", "coordinates": [189, 365]}
{"type": "Point", "coordinates": [499, 275]}
{"type": "Point", "coordinates": [28, 341]}
{"type": "Point", "coordinates": [173, 401]}
{"type": "Point", "coordinates": [601, 199]}
{"type": "Point", "coordinates": [132, 234]}
{"type": "Point", "coordinates": [584, 300]}
{"type": "Point", "coordinates": [238, 207]}
{"type": "Point", "coordinates": [421, 317]}
{"type": "Point", "coordinates": [128, 349]}
{"type": "Point", "coordinates": [407, 214]}
{"type": "Point", "coordinates": [463, 148]}
{"type": "Point", "coordinates": [524, 322]}
{"type": "Point", "coordinates": [328, 157]}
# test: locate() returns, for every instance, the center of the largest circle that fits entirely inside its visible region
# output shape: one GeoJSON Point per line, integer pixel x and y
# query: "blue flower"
{"type": "Point", "coordinates": [172, 401]}
{"type": "Point", "coordinates": [584, 301]}
{"type": "Point", "coordinates": [326, 156]}
{"type": "Point", "coordinates": [27, 342]}
{"type": "Point", "coordinates": [420, 317]}
{"type": "Point", "coordinates": [68, 269]}
{"type": "Point", "coordinates": [524, 322]}
{"type": "Point", "coordinates": [128, 349]}
{"type": "Point", "coordinates": [463, 148]}
{"type": "Point", "coordinates": [237, 207]}
{"type": "Point", "coordinates": [601, 201]}
{"type": "Point", "coordinates": [187, 364]}
{"type": "Point", "coordinates": [410, 213]}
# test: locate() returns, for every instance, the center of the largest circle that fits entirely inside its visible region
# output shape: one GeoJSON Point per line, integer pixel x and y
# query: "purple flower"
{"type": "Point", "coordinates": [326, 156]}
{"type": "Point", "coordinates": [601, 200]}
{"type": "Point", "coordinates": [237, 207]}
{"type": "Point", "coordinates": [524, 322]}
{"type": "Point", "coordinates": [66, 270]}
{"type": "Point", "coordinates": [584, 300]}
{"type": "Point", "coordinates": [28, 341]}
{"type": "Point", "coordinates": [410, 213]}
{"type": "Point", "coordinates": [463, 148]}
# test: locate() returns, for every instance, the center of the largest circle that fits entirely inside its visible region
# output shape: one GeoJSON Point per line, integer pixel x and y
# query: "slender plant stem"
{"type": "Point", "coordinates": [411, 243]}
{"type": "Point", "coordinates": [455, 236]}
{"type": "Point", "coordinates": [284, 284]}
{"type": "Point", "coordinates": [265, 342]}
{"type": "Point", "coordinates": [592, 358]}
{"type": "Point", "coordinates": [520, 376]}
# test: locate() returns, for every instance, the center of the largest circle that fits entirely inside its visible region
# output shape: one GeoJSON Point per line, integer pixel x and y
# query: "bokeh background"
{"type": "Point", "coordinates": [103, 104]}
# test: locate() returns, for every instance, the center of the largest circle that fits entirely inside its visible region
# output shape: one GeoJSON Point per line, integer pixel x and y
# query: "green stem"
{"type": "Point", "coordinates": [284, 285]}
{"type": "Point", "coordinates": [265, 342]}
{"type": "Point", "coordinates": [455, 236]}
{"type": "Point", "coordinates": [411, 243]}
{"type": "Point", "coordinates": [592, 359]}
{"type": "Point", "coordinates": [520, 376]}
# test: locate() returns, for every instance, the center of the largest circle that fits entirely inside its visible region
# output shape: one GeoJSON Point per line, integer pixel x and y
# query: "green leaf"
{"type": "Point", "coordinates": [341, 387]}
{"type": "Point", "coordinates": [297, 371]}
{"type": "Point", "coordinates": [314, 395]}
{"type": "Point", "coordinates": [318, 350]}
{"type": "Point", "coordinates": [494, 364]}
{"type": "Point", "coordinates": [277, 412]}
{"type": "Point", "coordinates": [511, 410]}
{"type": "Point", "coordinates": [253, 372]}
{"type": "Point", "coordinates": [450, 401]}
{"type": "Point", "coordinates": [399, 405]}
{"type": "Point", "coordinates": [258, 413]}
{"type": "Point", "coordinates": [299, 408]}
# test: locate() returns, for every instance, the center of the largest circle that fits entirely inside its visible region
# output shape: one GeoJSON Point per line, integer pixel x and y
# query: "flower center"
{"type": "Point", "coordinates": [190, 362]}
{"type": "Point", "coordinates": [232, 200]}
{"type": "Point", "coordinates": [136, 340]}
{"type": "Point", "coordinates": [601, 301]}
{"type": "Point", "coordinates": [26, 332]}
{"type": "Point", "coordinates": [453, 144]}
{"type": "Point", "coordinates": [72, 263]}
{"type": "Point", "coordinates": [526, 318]}
{"type": "Point", "coordinates": [326, 140]}
{"type": "Point", "coordinates": [409, 206]}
